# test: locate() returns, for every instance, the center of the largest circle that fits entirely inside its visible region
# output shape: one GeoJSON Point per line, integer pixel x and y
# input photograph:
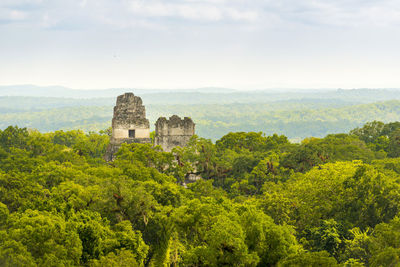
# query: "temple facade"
{"type": "Point", "coordinates": [130, 125]}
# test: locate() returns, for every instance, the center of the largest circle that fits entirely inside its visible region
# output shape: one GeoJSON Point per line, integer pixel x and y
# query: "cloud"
{"type": "Point", "coordinates": [192, 10]}
{"type": "Point", "coordinates": [189, 13]}
{"type": "Point", "coordinates": [8, 16]}
{"type": "Point", "coordinates": [350, 13]}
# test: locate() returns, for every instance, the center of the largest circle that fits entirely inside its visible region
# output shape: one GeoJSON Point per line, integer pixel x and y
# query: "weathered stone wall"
{"type": "Point", "coordinates": [173, 132]}
{"type": "Point", "coordinates": [129, 114]}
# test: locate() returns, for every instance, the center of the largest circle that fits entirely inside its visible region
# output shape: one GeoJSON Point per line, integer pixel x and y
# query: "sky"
{"type": "Point", "coordinates": [242, 44]}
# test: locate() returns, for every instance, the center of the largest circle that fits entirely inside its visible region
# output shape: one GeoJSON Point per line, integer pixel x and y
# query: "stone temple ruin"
{"type": "Point", "coordinates": [129, 125]}
{"type": "Point", "coordinates": [173, 132]}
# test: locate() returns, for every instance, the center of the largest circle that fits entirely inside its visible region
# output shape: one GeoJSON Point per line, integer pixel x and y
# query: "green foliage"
{"type": "Point", "coordinates": [380, 136]}
{"type": "Point", "coordinates": [214, 234]}
{"type": "Point", "coordinates": [46, 237]}
{"type": "Point", "coordinates": [311, 259]}
{"type": "Point", "coordinates": [251, 200]}
{"type": "Point", "coordinates": [315, 151]}
{"type": "Point", "coordinates": [326, 237]}
{"type": "Point", "coordinates": [251, 141]}
{"type": "Point", "coordinates": [122, 258]}
{"type": "Point", "coordinates": [143, 162]}
{"type": "Point", "coordinates": [4, 215]}
{"type": "Point", "coordinates": [271, 242]}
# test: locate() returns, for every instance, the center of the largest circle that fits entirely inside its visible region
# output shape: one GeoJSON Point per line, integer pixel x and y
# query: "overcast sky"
{"type": "Point", "coordinates": [245, 44]}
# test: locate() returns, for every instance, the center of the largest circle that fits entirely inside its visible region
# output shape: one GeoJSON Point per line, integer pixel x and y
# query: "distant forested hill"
{"type": "Point", "coordinates": [209, 95]}
{"type": "Point", "coordinates": [295, 118]}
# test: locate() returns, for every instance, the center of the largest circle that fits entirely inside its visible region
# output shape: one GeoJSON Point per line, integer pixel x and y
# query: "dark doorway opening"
{"type": "Point", "coordinates": [131, 133]}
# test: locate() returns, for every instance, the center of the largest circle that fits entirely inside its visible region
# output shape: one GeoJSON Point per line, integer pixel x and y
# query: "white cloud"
{"type": "Point", "coordinates": [83, 3]}
{"type": "Point", "coordinates": [17, 15]}
{"type": "Point", "coordinates": [12, 15]}
{"type": "Point", "coordinates": [192, 10]}
{"type": "Point", "coordinates": [350, 13]}
{"type": "Point", "coordinates": [254, 13]}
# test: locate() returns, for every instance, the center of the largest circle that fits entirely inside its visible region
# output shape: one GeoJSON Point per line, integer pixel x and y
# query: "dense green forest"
{"type": "Point", "coordinates": [261, 200]}
{"type": "Point", "coordinates": [296, 119]}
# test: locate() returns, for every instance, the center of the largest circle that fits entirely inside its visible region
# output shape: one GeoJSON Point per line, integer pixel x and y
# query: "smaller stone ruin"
{"type": "Point", "coordinates": [173, 132]}
{"type": "Point", "coordinates": [129, 123]}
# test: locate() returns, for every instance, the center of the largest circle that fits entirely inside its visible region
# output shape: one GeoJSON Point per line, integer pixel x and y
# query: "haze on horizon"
{"type": "Point", "coordinates": [191, 43]}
